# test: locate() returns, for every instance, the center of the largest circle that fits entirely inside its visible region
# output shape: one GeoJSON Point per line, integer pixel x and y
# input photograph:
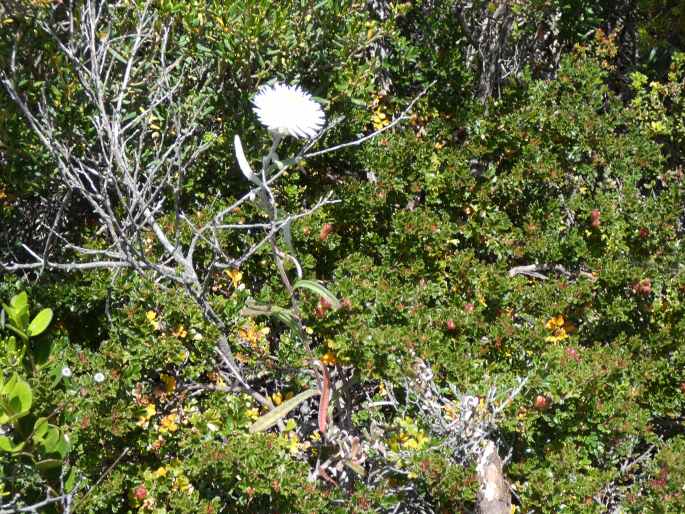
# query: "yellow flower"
{"type": "Point", "coordinates": [152, 318]}
{"type": "Point", "coordinates": [168, 423]}
{"type": "Point", "coordinates": [329, 359]}
{"type": "Point", "coordinates": [235, 276]}
{"type": "Point", "coordinates": [379, 119]}
{"type": "Point", "coordinates": [168, 381]}
{"type": "Point", "coordinates": [293, 443]}
{"type": "Point", "coordinates": [252, 413]}
{"type": "Point", "coordinates": [417, 442]}
{"type": "Point", "coordinates": [180, 332]}
{"type": "Point", "coordinates": [181, 483]}
{"type": "Point", "coordinates": [160, 472]}
{"type": "Point", "coordinates": [252, 334]}
{"type": "Point", "coordinates": [560, 329]}
{"type": "Point", "coordinates": [555, 323]}
{"type": "Point", "coordinates": [277, 398]}
{"type": "Point", "coordinates": [451, 410]}
{"type": "Point", "coordinates": [150, 411]}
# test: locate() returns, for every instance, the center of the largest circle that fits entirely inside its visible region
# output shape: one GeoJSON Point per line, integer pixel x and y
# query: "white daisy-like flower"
{"type": "Point", "coordinates": [288, 111]}
{"type": "Point", "coordinates": [66, 372]}
{"type": "Point", "coordinates": [99, 377]}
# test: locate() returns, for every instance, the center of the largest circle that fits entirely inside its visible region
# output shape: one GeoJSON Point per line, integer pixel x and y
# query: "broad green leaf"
{"type": "Point", "coordinates": [51, 439]}
{"type": "Point", "coordinates": [16, 399]}
{"type": "Point", "coordinates": [7, 445]}
{"type": "Point", "coordinates": [40, 427]}
{"type": "Point", "coordinates": [20, 304]}
{"type": "Point", "coordinates": [39, 323]}
{"type": "Point", "coordinates": [272, 417]}
{"type": "Point", "coordinates": [20, 301]}
{"type": "Point", "coordinates": [316, 287]}
{"type": "Point", "coordinates": [11, 313]}
{"type": "Point", "coordinates": [62, 447]}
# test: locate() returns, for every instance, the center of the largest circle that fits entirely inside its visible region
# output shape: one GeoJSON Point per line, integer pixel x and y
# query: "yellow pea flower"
{"type": "Point", "coordinates": [235, 276]}
{"type": "Point", "coordinates": [180, 332]}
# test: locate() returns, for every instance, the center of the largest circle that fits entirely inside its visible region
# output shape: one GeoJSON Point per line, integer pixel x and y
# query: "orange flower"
{"type": "Point", "coordinates": [329, 359]}
{"type": "Point", "coordinates": [560, 328]}
{"type": "Point", "coordinates": [180, 332]}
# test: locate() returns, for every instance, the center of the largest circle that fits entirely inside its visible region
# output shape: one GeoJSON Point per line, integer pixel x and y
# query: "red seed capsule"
{"type": "Point", "coordinates": [541, 402]}
{"type": "Point", "coordinates": [140, 492]}
{"type": "Point", "coordinates": [325, 231]}
{"type": "Point", "coordinates": [594, 218]}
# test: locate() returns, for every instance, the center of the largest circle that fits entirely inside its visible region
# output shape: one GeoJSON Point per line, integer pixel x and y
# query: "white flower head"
{"type": "Point", "coordinates": [288, 111]}
{"type": "Point", "coordinates": [66, 372]}
{"type": "Point", "coordinates": [99, 377]}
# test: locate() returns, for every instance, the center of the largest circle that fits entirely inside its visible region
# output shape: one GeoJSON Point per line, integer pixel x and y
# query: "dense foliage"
{"type": "Point", "coordinates": [535, 234]}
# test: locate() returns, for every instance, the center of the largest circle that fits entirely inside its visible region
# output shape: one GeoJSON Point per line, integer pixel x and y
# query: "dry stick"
{"type": "Point", "coordinates": [357, 142]}
{"type": "Point", "coordinates": [103, 475]}
{"type": "Point", "coordinates": [535, 271]}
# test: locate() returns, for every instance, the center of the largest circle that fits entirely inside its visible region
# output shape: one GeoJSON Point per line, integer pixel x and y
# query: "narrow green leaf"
{"type": "Point", "coordinates": [285, 316]}
{"type": "Point", "coordinates": [39, 323]}
{"type": "Point", "coordinates": [316, 287]}
{"type": "Point", "coordinates": [272, 417]}
{"type": "Point", "coordinates": [357, 468]}
{"type": "Point", "coordinates": [46, 464]}
{"type": "Point", "coordinates": [243, 163]}
{"type": "Point", "coordinates": [70, 482]}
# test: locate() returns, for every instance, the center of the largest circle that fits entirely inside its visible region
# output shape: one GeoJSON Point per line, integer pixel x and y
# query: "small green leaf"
{"type": "Point", "coordinates": [39, 323]}
{"type": "Point", "coordinates": [316, 287]}
{"type": "Point", "coordinates": [272, 417]}
{"type": "Point", "coordinates": [7, 445]}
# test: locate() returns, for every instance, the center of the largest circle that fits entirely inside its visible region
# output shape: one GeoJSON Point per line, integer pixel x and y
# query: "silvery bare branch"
{"type": "Point", "coordinates": [129, 164]}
